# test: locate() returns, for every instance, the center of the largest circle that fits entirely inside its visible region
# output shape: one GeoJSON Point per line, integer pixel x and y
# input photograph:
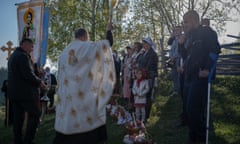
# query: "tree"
{"type": "Point", "coordinates": [67, 16]}
{"type": "Point", "coordinates": [159, 17]}
{"type": "Point", "coordinates": [134, 19]}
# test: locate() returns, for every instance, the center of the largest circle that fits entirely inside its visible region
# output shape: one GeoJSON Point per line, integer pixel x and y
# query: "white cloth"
{"type": "Point", "coordinates": [86, 77]}
{"type": "Point", "coordinates": [150, 42]}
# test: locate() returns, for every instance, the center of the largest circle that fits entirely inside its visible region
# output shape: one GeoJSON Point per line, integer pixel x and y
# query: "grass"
{"type": "Point", "coordinates": [225, 118]}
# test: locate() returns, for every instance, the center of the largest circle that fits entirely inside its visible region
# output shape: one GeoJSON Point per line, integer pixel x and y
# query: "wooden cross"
{"type": "Point", "coordinates": [9, 48]}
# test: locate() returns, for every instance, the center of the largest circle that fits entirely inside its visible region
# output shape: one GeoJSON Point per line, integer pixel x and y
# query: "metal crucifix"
{"type": "Point", "coordinates": [9, 48]}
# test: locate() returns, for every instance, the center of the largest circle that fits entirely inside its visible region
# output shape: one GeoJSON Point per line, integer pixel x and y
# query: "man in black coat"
{"type": "Point", "coordinates": [21, 84]}
{"type": "Point", "coordinates": [200, 43]}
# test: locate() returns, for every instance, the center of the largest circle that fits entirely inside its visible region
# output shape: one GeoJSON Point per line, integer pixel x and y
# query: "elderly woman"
{"type": "Point", "coordinates": [149, 62]}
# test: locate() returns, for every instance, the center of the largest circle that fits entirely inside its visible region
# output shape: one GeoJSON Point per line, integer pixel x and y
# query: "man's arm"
{"type": "Point", "coordinates": [109, 35]}
{"type": "Point", "coordinates": [27, 72]}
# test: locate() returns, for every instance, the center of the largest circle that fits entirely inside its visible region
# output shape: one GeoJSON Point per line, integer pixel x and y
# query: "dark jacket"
{"type": "Point", "coordinates": [21, 77]}
{"type": "Point", "coordinates": [149, 62]}
{"type": "Point", "coordinates": [53, 84]}
{"type": "Point", "coordinates": [109, 37]}
{"type": "Point", "coordinates": [201, 42]}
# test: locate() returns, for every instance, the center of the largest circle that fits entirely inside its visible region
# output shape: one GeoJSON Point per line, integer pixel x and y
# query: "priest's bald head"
{"type": "Point", "coordinates": [81, 34]}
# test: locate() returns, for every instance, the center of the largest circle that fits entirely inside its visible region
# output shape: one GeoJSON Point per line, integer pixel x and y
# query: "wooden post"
{"type": "Point", "coordinates": [9, 48]}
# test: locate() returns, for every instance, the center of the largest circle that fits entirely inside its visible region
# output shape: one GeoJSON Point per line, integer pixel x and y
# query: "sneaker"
{"type": "Point", "coordinates": [44, 98]}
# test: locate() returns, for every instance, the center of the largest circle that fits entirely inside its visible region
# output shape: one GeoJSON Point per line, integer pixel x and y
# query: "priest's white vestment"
{"type": "Point", "coordinates": [86, 76]}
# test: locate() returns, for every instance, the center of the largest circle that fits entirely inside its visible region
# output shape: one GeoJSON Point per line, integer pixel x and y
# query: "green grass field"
{"type": "Point", "coordinates": [225, 118]}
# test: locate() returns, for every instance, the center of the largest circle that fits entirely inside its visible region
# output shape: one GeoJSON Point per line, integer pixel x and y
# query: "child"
{"type": "Point", "coordinates": [43, 96]}
{"type": "Point", "coordinates": [140, 89]}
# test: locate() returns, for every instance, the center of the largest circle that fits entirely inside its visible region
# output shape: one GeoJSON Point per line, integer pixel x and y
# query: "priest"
{"type": "Point", "coordinates": [86, 78]}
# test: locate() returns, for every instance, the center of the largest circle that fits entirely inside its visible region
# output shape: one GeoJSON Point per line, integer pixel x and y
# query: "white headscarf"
{"type": "Point", "coordinates": [150, 42]}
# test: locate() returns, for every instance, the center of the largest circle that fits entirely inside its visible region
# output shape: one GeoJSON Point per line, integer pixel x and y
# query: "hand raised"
{"type": "Point", "coordinates": [110, 26]}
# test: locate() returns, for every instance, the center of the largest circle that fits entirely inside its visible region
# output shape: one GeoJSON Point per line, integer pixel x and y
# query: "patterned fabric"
{"type": "Point", "coordinates": [30, 25]}
{"type": "Point", "coordinates": [86, 78]}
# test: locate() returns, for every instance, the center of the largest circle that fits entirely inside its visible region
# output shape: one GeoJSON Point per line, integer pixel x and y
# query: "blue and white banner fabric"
{"type": "Point", "coordinates": [30, 15]}
{"type": "Point", "coordinates": [43, 53]}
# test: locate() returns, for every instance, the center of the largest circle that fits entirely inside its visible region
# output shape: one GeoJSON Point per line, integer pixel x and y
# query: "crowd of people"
{"type": "Point", "coordinates": [140, 56]}
{"type": "Point", "coordinates": [89, 73]}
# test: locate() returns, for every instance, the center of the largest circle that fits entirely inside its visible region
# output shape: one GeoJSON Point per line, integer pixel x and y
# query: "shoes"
{"type": "Point", "coordinates": [44, 98]}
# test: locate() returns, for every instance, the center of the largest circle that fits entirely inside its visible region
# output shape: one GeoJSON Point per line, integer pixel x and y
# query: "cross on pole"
{"type": "Point", "coordinates": [9, 48]}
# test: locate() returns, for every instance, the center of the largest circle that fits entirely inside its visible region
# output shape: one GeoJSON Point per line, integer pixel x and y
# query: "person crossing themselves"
{"type": "Point", "coordinates": [199, 42]}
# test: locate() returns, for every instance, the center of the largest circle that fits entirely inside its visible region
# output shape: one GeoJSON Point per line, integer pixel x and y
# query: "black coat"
{"type": "Point", "coordinates": [200, 43]}
{"type": "Point", "coordinates": [21, 77]}
{"type": "Point", "coordinates": [149, 62]}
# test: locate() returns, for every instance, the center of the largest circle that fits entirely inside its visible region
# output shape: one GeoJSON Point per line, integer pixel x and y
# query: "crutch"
{"type": "Point", "coordinates": [214, 57]}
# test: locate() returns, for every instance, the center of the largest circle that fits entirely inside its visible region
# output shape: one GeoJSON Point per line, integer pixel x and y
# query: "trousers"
{"type": "Point", "coordinates": [33, 111]}
{"type": "Point", "coordinates": [195, 105]}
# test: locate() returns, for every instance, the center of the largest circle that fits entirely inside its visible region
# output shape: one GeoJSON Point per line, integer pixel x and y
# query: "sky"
{"type": "Point", "coordinates": [9, 30]}
{"type": "Point", "coordinates": [8, 26]}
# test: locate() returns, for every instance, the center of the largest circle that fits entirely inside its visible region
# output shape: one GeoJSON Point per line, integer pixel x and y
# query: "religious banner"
{"type": "Point", "coordinates": [44, 44]}
{"type": "Point", "coordinates": [30, 20]}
